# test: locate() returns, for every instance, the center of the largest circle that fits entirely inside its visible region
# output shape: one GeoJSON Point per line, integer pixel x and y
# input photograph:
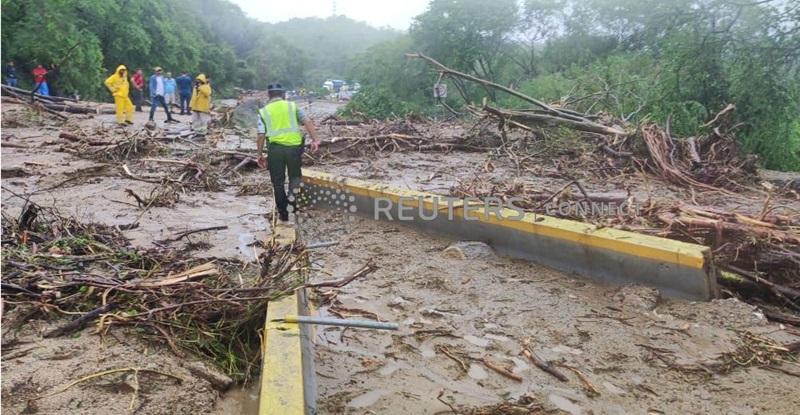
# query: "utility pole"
{"type": "Point", "coordinates": [333, 8]}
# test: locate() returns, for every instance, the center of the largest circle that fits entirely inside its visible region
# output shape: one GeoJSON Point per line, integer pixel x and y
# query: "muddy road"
{"type": "Point", "coordinates": [623, 350]}
{"type": "Point", "coordinates": [462, 311]}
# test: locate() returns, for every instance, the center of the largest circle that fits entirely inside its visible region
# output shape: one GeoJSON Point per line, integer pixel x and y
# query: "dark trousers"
{"type": "Point", "coordinates": [282, 159]}
{"type": "Point", "coordinates": [159, 100]}
{"type": "Point", "coordinates": [138, 97]}
{"type": "Point", "coordinates": [185, 103]}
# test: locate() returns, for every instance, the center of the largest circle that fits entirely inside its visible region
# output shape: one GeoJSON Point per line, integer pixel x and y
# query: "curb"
{"type": "Point", "coordinates": [677, 269]}
{"type": "Point", "coordinates": [288, 385]}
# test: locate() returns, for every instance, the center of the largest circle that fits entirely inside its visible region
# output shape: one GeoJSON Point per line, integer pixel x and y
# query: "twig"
{"type": "Point", "coordinates": [187, 233]}
{"type": "Point", "coordinates": [79, 322]}
{"type": "Point", "coordinates": [447, 353]}
{"type": "Point", "coordinates": [366, 269]}
{"type": "Point", "coordinates": [590, 389]}
{"type": "Point", "coordinates": [109, 372]}
{"type": "Point", "coordinates": [541, 364]}
{"type": "Point", "coordinates": [501, 370]}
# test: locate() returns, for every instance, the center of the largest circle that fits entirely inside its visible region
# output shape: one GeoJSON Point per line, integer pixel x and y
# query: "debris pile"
{"type": "Point", "coordinates": [54, 265]}
{"type": "Point", "coordinates": [356, 139]}
{"type": "Point", "coordinates": [762, 249]}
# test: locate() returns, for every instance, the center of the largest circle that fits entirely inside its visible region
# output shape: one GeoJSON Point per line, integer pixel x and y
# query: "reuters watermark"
{"type": "Point", "coordinates": [434, 207]}
{"type": "Point", "coordinates": [431, 208]}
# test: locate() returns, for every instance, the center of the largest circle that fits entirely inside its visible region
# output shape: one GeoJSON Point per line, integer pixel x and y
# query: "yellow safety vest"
{"type": "Point", "coordinates": [280, 121]}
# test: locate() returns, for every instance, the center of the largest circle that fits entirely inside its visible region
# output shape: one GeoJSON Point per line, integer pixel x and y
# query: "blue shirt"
{"type": "Point", "coordinates": [184, 83]}
{"type": "Point", "coordinates": [169, 85]}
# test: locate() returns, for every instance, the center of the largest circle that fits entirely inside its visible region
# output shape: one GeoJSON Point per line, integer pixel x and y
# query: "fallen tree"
{"type": "Point", "coordinates": [543, 113]}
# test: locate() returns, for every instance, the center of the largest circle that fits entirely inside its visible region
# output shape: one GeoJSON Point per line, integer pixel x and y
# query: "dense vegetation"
{"type": "Point", "coordinates": [677, 60]}
{"type": "Point", "coordinates": [86, 39]}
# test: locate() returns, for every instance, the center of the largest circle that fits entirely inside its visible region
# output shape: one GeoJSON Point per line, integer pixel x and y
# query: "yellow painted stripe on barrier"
{"type": "Point", "coordinates": [630, 243]}
{"type": "Point", "coordinates": [282, 363]}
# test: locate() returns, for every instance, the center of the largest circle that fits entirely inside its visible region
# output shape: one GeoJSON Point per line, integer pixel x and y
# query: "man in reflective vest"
{"type": "Point", "coordinates": [279, 122]}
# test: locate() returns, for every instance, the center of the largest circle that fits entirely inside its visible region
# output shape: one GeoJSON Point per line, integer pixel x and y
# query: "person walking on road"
{"type": "Point", "coordinates": [39, 78]}
{"type": "Point", "coordinates": [117, 84]}
{"type": "Point", "coordinates": [278, 123]}
{"type": "Point", "coordinates": [10, 73]}
{"type": "Point", "coordinates": [184, 83]}
{"type": "Point", "coordinates": [138, 89]}
{"type": "Point", "coordinates": [201, 105]}
{"type": "Point", "coordinates": [169, 90]}
{"type": "Point", "coordinates": [157, 91]}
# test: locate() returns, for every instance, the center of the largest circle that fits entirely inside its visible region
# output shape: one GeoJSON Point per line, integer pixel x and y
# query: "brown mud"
{"type": "Point", "coordinates": [639, 353]}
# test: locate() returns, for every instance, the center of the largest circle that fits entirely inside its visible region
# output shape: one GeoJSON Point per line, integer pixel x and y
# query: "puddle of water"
{"type": "Point", "coordinates": [239, 401]}
{"type": "Point", "coordinates": [389, 368]}
{"type": "Point", "coordinates": [566, 349]}
{"type": "Point", "coordinates": [426, 349]}
{"type": "Point", "coordinates": [477, 372]}
{"type": "Point", "coordinates": [367, 399]}
{"type": "Point", "coordinates": [565, 404]}
{"type": "Point", "coordinates": [519, 365]}
{"type": "Point", "coordinates": [245, 239]}
{"type": "Point", "coordinates": [497, 337]}
{"type": "Point", "coordinates": [480, 342]}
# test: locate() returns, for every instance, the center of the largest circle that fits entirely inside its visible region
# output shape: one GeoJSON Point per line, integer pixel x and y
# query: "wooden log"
{"type": "Point", "coordinates": [691, 148]}
{"type": "Point", "coordinates": [547, 119]}
{"type": "Point", "coordinates": [713, 224]}
{"type": "Point", "coordinates": [615, 153]}
{"type": "Point", "coordinates": [541, 364]}
{"type": "Point", "coordinates": [74, 109]}
{"type": "Point", "coordinates": [78, 139]}
{"type": "Point", "coordinates": [79, 322]}
{"type": "Point", "coordinates": [549, 114]}
{"type": "Point", "coordinates": [34, 105]}
{"type": "Point", "coordinates": [44, 97]}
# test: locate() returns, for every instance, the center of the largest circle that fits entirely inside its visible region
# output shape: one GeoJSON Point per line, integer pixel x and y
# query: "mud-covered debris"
{"type": "Point", "coordinates": [218, 381]}
{"type": "Point", "coordinates": [398, 302]}
{"type": "Point", "coordinates": [190, 304]}
{"type": "Point", "coordinates": [638, 297]}
{"type": "Point", "coordinates": [469, 250]}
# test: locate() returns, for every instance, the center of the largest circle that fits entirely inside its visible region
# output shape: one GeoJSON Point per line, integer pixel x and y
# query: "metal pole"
{"type": "Point", "coordinates": [367, 324]}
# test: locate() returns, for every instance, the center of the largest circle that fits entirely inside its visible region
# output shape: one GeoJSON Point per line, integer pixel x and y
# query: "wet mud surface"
{"type": "Point", "coordinates": [640, 353]}
{"type": "Point", "coordinates": [34, 368]}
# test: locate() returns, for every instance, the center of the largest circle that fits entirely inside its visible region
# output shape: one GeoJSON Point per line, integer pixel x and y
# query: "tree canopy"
{"type": "Point", "coordinates": [87, 39]}
{"type": "Point", "coordinates": [677, 60]}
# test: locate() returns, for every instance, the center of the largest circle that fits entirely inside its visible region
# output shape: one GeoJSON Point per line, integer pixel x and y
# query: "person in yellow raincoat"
{"type": "Point", "coordinates": [200, 105]}
{"type": "Point", "coordinates": [117, 83]}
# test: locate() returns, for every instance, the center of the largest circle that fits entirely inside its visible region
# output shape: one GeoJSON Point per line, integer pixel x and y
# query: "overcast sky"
{"type": "Point", "coordinates": [394, 13]}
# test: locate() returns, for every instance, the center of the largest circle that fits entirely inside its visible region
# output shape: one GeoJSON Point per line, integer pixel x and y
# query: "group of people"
{"type": "Point", "coordinates": [194, 95]}
{"type": "Point", "coordinates": [278, 122]}
{"type": "Point", "coordinates": [39, 73]}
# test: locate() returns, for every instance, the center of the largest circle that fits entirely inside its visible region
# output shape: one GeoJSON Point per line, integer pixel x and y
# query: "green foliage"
{"type": "Point", "coordinates": [269, 54]}
{"type": "Point", "coordinates": [41, 35]}
{"type": "Point", "coordinates": [329, 44]}
{"type": "Point", "coordinates": [90, 38]}
{"type": "Point", "coordinates": [680, 61]}
{"type": "Point", "coordinates": [384, 67]}
{"type": "Point", "coordinates": [468, 35]}
{"type": "Point", "coordinates": [375, 102]}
